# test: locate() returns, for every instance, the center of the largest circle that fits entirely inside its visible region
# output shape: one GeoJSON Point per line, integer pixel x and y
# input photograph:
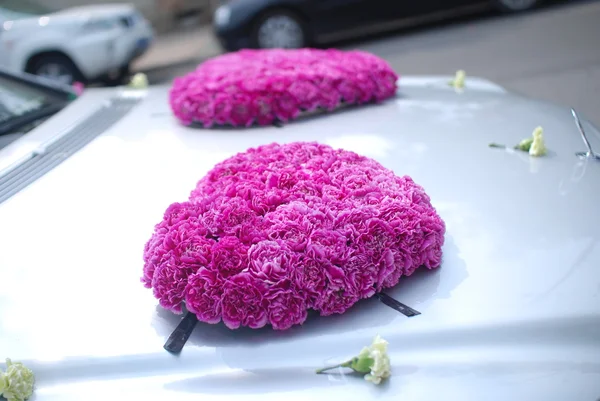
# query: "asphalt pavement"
{"type": "Point", "coordinates": [552, 53]}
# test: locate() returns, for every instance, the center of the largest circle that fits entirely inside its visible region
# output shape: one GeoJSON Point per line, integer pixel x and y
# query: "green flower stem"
{"type": "Point", "coordinates": [346, 364]}
{"type": "Point", "coordinates": [497, 145]}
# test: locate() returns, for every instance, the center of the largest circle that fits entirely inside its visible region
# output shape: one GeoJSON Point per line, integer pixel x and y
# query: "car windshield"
{"type": "Point", "coordinates": [14, 9]}
{"type": "Point", "coordinates": [24, 104]}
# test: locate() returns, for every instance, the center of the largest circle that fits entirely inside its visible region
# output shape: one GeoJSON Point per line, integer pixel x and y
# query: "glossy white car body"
{"type": "Point", "coordinates": [100, 40]}
{"type": "Point", "coordinates": [512, 314]}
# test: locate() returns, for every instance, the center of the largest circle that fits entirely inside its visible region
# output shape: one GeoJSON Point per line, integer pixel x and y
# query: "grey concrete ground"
{"type": "Point", "coordinates": [551, 54]}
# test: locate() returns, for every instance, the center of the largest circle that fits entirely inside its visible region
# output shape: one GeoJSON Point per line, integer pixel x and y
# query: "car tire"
{"type": "Point", "coordinates": [513, 6]}
{"type": "Point", "coordinates": [56, 67]}
{"type": "Point", "coordinates": [280, 29]}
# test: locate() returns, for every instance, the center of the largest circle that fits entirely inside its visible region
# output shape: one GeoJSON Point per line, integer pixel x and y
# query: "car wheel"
{"type": "Point", "coordinates": [56, 67]}
{"type": "Point", "coordinates": [280, 29]}
{"type": "Point", "coordinates": [516, 5]}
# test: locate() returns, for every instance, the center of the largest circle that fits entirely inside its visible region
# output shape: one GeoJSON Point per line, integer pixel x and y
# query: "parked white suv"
{"type": "Point", "coordinates": [76, 44]}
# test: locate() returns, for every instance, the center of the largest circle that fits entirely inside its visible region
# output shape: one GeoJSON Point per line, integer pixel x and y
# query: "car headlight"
{"type": "Point", "coordinates": [222, 15]}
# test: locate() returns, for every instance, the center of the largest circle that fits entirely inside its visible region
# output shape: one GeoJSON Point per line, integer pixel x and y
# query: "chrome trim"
{"type": "Point", "coordinates": [45, 158]}
{"type": "Point", "coordinates": [590, 152]}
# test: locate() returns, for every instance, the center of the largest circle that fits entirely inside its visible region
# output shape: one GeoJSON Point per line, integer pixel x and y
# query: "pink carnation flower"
{"type": "Point", "coordinates": [186, 249]}
{"type": "Point", "coordinates": [272, 262]}
{"type": "Point", "coordinates": [203, 295]}
{"type": "Point", "coordinates": [261, 86]}
{"type": "Point", "coordinates": [229, 256]}
{"type": "Point", "coordinates": [286, 309]}
{"type": "Point", "coordinates": [273, 232]}
{"type": "Point", "coordinates": [244, 303]}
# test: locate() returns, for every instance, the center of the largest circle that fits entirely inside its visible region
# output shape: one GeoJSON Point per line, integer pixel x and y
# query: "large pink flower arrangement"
{"type": "Point", "coordinates": [262, 86]}
{"type": "Point", "coordinates": [273, 232]}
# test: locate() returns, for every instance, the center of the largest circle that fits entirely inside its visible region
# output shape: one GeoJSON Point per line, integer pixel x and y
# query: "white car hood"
{"type": "Point", "coordinates": [512, 314]}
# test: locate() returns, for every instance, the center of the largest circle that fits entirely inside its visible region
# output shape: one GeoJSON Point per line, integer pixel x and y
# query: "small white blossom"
{"type": "Point", "coordinates": [459, 79]}
{"type": "Point", "coordinates": [538, 148]}
{"type": "Point", "coordinates": [16, 384]}
{"type": "Point", "coordinates": [381, 368]}
{"type": "Point", "coordinates": [372, 360]}
{"type": "Point", "coordinates": [3, 382]}
{"type": "Point", "coordinates": [139, 81]}
{"type": "Point", "coordinates": [534, 145]}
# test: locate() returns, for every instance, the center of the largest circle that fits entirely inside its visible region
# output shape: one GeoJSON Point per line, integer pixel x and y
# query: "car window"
{"type": "Point", "coordinates": [16, 100]}
{"type": "Point", "coordinates": [23, 103]}
{"type": "Point", "coordinates": [14, 9]}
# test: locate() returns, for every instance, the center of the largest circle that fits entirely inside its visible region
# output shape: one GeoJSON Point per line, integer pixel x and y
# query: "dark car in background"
{"type": "Point", "coordinates": [298, 23]}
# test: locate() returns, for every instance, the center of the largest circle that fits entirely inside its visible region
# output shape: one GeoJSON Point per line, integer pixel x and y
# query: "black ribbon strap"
{"type": "Point", "coordinates": [397, 305]}
{"type": "Point", "coordinates": [184, 329]}
{"type": "Point", "coordinates": [182, 333]}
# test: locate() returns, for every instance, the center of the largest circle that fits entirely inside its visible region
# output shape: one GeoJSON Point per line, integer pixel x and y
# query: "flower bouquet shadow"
{"type": "Point", "coordinates": [365, 313]}
{"type": "Point", "coordinates": [425, 286]}
{"type": "Point", "coordinates": [419, 289]}
{"type": "Point", "coordinates": [304, 116]}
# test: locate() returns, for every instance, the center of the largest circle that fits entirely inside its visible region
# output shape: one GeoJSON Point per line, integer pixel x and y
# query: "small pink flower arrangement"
{"type": "Point", "coordinates": [263, 86]}
{"type": "Point", "coordinates": [78, 88]}
{"type": "Point", "coordinates": [273, 232]}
